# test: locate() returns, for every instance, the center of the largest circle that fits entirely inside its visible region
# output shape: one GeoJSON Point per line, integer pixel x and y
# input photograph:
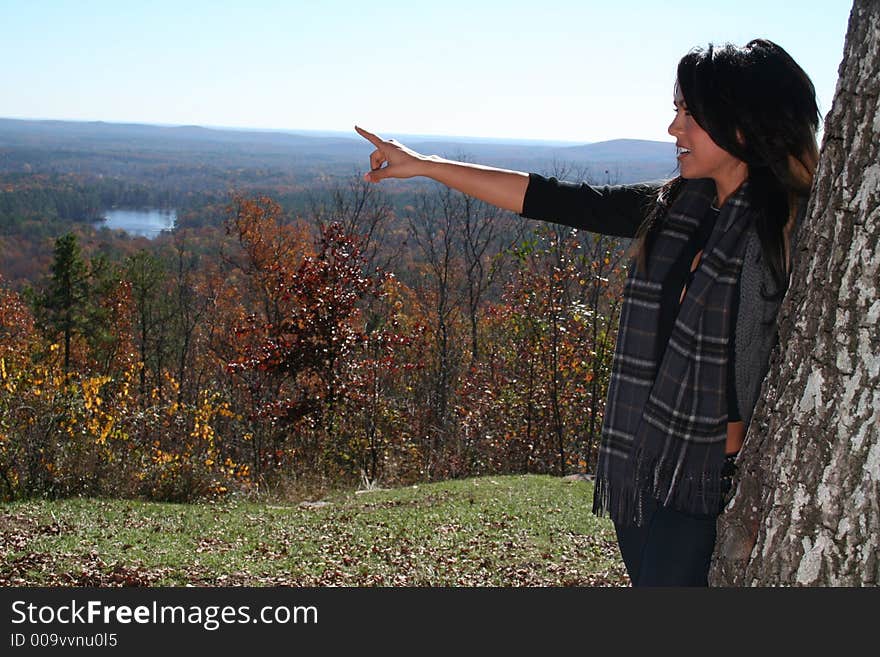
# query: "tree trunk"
{"type": "Point", "coordinates": [807, 503]}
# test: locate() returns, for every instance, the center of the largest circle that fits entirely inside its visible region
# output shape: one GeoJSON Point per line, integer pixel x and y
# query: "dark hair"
{"type": "Point", "coordinates": [757, 104]}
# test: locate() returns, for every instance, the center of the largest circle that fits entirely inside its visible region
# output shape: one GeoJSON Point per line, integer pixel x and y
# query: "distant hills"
{"type": "Point", "coordinates": [625, 149]}
{"type": "Point", "coordinates": [619, 160]}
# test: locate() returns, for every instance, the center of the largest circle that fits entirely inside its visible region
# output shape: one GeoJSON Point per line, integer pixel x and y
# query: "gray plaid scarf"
{"type": "Point", "coordinates": [665, 427]}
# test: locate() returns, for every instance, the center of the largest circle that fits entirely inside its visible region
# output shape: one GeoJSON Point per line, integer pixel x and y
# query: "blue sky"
{"type": "Point", "coordinates": [565, 70]}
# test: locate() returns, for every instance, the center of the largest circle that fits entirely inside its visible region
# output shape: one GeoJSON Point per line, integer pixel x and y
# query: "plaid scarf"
{"type": "Point", "coordinates": [665, 427]}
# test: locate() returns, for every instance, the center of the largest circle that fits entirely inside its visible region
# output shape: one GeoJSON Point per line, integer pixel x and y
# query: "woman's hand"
{"type": "Point", "coordinates": [398, 160]}
{"type": "Point", "coordinates": [500, 187]}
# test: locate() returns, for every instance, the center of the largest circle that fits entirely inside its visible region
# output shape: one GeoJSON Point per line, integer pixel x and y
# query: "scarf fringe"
{"type": "Point", "coordinates": [696, 493]}
{"type": "Point", "coordinates": [623, 504]}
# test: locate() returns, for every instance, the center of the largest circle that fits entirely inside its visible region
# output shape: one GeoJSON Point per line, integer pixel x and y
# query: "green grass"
{"type": "Point", "coordinates": [491, 531]}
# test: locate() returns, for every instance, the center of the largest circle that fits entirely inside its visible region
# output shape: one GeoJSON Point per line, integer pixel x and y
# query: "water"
{"type": "Point", "coordinates": [147, 223]}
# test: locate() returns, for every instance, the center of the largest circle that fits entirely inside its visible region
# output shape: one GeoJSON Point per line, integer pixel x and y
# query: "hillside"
{"type": "Point", "coordinates": [520, 530]}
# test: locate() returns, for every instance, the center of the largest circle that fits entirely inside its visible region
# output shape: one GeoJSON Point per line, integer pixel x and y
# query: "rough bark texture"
{"type": "Point", "coordinates": [807, 503]}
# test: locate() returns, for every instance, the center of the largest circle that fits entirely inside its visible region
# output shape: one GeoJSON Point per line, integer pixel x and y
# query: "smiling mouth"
{"type": "Point", "coordinates": [682, 151]}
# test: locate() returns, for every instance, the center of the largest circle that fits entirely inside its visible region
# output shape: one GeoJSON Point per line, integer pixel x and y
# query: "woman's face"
{"type": "Point", "coordinates": [699, 156]}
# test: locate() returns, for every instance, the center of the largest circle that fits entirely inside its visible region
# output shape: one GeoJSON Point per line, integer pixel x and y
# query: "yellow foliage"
{"type": "Point", "coordinates": [106, 431]}
{"type": "Point", "coordinates": [95, 421]}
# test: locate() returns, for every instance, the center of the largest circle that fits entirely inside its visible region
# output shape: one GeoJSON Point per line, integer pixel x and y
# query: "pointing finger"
{"type": "Point", "coordinates": [369, 136]}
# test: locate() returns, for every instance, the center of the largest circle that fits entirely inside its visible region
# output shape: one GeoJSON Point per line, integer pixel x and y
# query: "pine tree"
{"type": "Point", "coordinates": [62, 308]}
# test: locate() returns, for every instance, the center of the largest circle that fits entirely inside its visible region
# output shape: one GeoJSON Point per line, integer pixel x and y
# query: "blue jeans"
{"type": "Point", "coordinates": [670, 548]}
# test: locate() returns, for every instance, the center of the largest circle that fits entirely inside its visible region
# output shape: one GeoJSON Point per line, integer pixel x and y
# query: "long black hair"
{"type": "Point", "coordinates": [757, 104]}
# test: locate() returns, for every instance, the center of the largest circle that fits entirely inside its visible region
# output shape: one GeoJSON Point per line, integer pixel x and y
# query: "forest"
{"type": "Point", "coordinates": [299, 329]}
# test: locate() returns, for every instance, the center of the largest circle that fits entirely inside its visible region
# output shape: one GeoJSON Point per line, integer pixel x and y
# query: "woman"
{"type": "Point", "coordinates": [698, 320]}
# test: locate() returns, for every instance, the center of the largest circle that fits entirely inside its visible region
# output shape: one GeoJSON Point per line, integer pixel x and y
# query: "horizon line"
{"type": "Point", "coordinates": [336, 133]}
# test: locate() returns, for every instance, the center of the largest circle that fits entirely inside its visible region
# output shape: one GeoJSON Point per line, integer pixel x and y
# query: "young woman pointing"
{"type": "Point", "coordinates": [698, 321]}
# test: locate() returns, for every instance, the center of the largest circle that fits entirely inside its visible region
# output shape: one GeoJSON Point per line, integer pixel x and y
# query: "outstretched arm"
{"type": "Point", "coordinates": [501, 187]}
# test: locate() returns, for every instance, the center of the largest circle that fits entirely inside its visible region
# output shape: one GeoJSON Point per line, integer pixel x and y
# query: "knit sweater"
{"type": "Point", "coordinates": [619, 210]}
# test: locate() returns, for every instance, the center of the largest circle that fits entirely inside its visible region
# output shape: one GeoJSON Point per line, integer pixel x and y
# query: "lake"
{"type": "Point", "coordinates": [148, 223]}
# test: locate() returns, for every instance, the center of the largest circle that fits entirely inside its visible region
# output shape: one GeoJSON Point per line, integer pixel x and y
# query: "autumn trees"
{"type": "Point", "coordinates": [352, 345]}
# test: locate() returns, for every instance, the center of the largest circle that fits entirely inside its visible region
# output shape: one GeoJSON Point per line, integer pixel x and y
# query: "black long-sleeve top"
{"type": "Point", "coordinates": [619, 210]}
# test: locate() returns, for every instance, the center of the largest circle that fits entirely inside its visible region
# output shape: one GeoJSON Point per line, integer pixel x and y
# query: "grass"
{"type": "Point", "coordinates": [519, 530]}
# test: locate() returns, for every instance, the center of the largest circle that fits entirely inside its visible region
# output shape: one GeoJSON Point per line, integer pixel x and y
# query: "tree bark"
{"type": "Point", "coordinates": [807, 504]}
